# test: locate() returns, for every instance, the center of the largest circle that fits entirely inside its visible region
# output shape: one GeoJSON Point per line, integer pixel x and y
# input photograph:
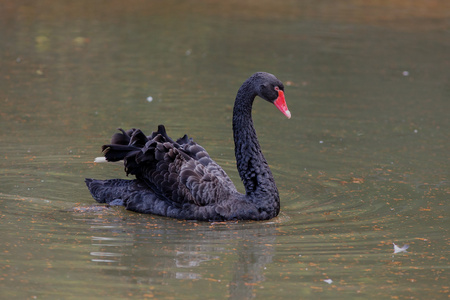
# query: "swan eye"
{"type": "Point", "coordinates": [277, 88]}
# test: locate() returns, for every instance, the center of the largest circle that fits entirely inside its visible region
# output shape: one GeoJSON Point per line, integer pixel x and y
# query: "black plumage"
{"type": "Point", "coordinates": [179, 179]}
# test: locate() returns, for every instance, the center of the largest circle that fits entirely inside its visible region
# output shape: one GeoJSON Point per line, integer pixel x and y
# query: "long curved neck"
{"type": "Point", "coordinates": [251, 164]}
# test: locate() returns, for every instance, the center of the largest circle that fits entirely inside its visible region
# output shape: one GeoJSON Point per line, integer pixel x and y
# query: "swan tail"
{"type": "Point", "coordinates": [133, 194]}
{"type": "Point", "coordinates": [109, 191]}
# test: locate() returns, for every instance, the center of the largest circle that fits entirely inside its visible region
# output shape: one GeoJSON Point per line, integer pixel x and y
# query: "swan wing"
{"type": "Point", "coordinates": [178, 171]}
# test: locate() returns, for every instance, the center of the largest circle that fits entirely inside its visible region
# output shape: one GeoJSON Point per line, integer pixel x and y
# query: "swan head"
{"type": "Point", "coordinates": [271, 89]}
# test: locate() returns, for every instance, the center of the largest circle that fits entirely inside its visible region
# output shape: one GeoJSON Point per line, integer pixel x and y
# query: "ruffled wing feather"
{"type": "Point", "coordinates": [179, 172]}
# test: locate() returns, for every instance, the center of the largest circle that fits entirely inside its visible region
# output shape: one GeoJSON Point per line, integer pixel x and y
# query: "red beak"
{"type": "Point", "coordinates": [280, 103]}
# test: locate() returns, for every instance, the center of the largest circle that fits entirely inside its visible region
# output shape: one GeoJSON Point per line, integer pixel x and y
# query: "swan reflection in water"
{"type": "Point", "coordinates": [160, 251]}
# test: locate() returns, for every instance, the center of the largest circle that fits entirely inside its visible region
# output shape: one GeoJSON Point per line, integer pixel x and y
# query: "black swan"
{"type": "Point", "coordinates": [178, 179]}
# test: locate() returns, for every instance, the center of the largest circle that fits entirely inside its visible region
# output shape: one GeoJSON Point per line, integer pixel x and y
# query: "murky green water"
{"type": "Point", "coordinates": [362, 164]}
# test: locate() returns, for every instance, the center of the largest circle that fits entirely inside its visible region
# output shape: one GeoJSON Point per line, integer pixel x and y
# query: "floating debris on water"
{"type": "Point", "coordinates": [398, 249]}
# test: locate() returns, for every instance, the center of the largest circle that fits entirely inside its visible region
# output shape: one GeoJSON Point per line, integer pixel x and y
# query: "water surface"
{"type": "Point", "coordinates": [362, 164]}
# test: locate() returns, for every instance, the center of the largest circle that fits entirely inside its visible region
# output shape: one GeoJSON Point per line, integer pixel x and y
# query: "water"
{"type": "Point", "coordinates": [362, 164]}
